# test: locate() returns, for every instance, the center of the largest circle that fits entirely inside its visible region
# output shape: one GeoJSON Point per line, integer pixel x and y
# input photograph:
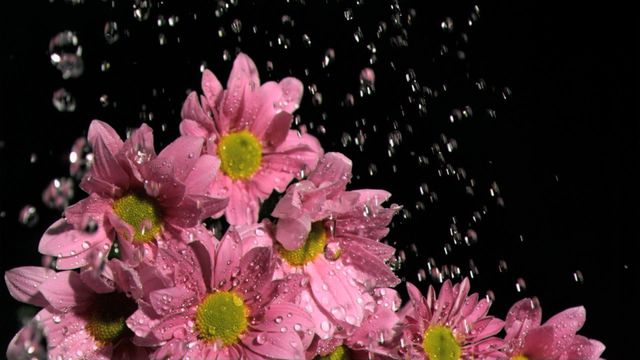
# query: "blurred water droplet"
{"type": "Point", "coordinates": [65, 54]}
{"type": "Point", "coordinates": [58, 193]}
{"type": "Point", "coordinates": [329, 57]}
{"type": "Point", "coordinates": [521, 285]}
{"type": "Point", "coordinates": [111, 34]}
{"type": "Point", "coordinates": [63, 101]}
{"type": "Point", "coordinates": [236, 26]}
{"type": "Point", "coordinates": [28, 216]}
{"type": "Point", "coordinates": [141, 9]}
{"type": "Point", "coordinates": [447, 24]}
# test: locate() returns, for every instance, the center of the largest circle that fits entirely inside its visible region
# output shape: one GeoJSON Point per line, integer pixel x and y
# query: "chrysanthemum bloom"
{"type": "Point", "coordinates": [136, 194]}
{"type": "Point", "coordinates": [84, 314]}
{"type": "Point", "coordinates": [247, 126]}
{"type": "Point", "coordinates": [332, 236]}
{"type": "Point", "coordinates": [375, 338]}
{"type": "Point", "coordinates": [556, 339]}
{"type": "Point", "coordinates": [450, 327]}
{"type": "Point", "coordinates": [229, 309]}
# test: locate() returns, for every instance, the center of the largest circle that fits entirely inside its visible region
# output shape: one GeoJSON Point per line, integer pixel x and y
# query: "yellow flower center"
{"type": "Point", "coordinates": [106, 319]}
{"type": "Point", "coordinates": [340, 353]}
{"type": "Point", "coordinates": [519, 357]}
{"type": "Point", "coordinates": [313, 246]}
{"type": "Point", "coordinates": [222, 316]}
{"type": "Point", "coordinates": [440, 344]}
{"type": "Point", "coordinates": [141, 212]}
{"type": "Point", "coordinates": [240, 154]}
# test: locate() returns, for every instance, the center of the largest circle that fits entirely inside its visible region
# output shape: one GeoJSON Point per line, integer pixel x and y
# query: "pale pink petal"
{"type": "Point", "coordinates": [523, 313]}
{"type": "Point", "coordinates": [261, 109]}
{"type": "Point", "coordinates": [292, 91]}
{"type": "Point", "coordinates": [333, 172]}
{"type": "Point", "coordinates": [192, 128]}
{"type": "Point", "coordinates": [199, 121]}
{"type": "Point", "coordinates": [62, 240]}
{"type": "Point", "coordinates": [171, 300]}
{"type": "Point", "coordinates": [243, 79]}
{"type": "Point", "coordinates": [566, 324]}
{"type": "Point", "coordinates": [66, 290]}
{"type": "Point", "coordinates": [584, 349]}
{"type": "Point", "coordinates": [291, 318]}
{"type": "Point", "coordinates": [106, 176]}
{"type": "Point", "coordinates": [242, 208]}
{"type": "Point", "coordinates": [211, 87]}
{"type": "Point", "coordinates": [23, 283]}
{"type": "Point", "coordinates": [373, 269]}
{"type": "Point", "coordinates": [201, 175]}
{"type": "Point", "coordinates": [274, 345]}
{"type": "Point", "coordinates": [99, 276]}
{"type": "Point", "coordinates": [227, 261]}
{"type": "Point", "coordinates": [333, 289]}
{"type": "Point", "coordinates": [91, 208]}
{"type": "Point", "coordinates": [109, 137]}
{"type": "Point", "coordinates": [291, 232]}
{"type": "Point", "coordinates": [176, 160]}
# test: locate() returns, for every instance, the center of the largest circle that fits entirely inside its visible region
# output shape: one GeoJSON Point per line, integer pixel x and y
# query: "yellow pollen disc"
{"type": "Point", "coordinates": [106, 319]}
{"type": "Point", "coordinates": [142, 213]}
{"type": "Point", "coordinates": [240, 154]}
{"type": "Point", "coordinates": [340, 353]}
{"type": "Point", "coordinates": [519, 357]}
{"type": "Point", "coordinates": [222, 316]}
{"type": "Point", "coordinates": [313, 246]}
{"type": "Point", "coordinates": [440, 344]}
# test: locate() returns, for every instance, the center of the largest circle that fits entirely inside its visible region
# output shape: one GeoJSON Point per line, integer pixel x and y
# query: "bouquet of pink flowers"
{"type": "Point", "coordinates": [138, 275]}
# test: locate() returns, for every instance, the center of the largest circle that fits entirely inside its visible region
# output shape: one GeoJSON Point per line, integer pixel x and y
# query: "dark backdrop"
{"type": "Point", "coordinates": [508, 131]}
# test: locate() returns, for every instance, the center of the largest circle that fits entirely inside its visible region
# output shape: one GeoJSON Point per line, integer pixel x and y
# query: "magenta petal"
{"type": "Point", "coordinates": [256, 273]}
{"type": "Point", "coordinates": [297, 152]}
{"type": "Point", "coordinates": [375, 272]}
{"type": "Point", "coordinates": [23, 283]}
{"type": "Point", "coordinates": [193, 112]}
{"type": "Point", "coordinates": [202, 174]}
{"type": "Point", "coordinates": [101, 281]}
{"type": "Point", "coordinates": [62, 240]}
{"type": "Point", "coordinates": [523, 313]}
{"type": "Point", "coordinates": [243, 78]}
{"type": "Point", "coordinates": [109, 137]}
{"type": "Point", "coordinates": [261, 108]}
{"type": "Point", "coordinates": [66, 290]}
{"type": "Point", "coordinates": [192, 128]}
{"type": "Point", "coordinates": [274, 345]}
{"type": "Point", "coordinates": [106, 176]}
{"type": "Point", "coordinates": [539, 343]}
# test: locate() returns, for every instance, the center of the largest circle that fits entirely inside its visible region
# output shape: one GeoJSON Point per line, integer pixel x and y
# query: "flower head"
{"type": "Point", "coordinates": [332, 237]}
{"type": "Point", "coordinates": [228, 306]}
{"type": "Point", "coordinates": [556, 339]}
{"type": "Point", "coordinates": [84, 314]}
{"type": "Point", "coordinates": [450, 326]}
{"type": "Point", "coordinates": [247, 126]}
{"type": "Point", "coordinates": [141, 197]}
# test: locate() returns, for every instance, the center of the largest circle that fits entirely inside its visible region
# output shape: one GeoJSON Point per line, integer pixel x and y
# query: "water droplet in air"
{"type": "Point", "coordinates": [65, 53]}
{"type": "Point", "coordinates": [28, 216]}
{"type": "Point", "coordinates": [63, 101]}
{"type": "Point", "coordinates": [111, 34]}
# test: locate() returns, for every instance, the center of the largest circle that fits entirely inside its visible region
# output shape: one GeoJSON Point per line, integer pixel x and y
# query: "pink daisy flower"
{"type": "Point", "coordinates": [144, 198]}
{"type": "Point", "coordinates": [332, 236]}
{"type": "Point", "coordinates": [556, 339]}
{"type": "Point", "coordinates": [228, 308]}
{"type": "Point", "coordinates": [84, 314]}
{"type": "Point", "coordinates": [247, 126]}
{"type": "Point", "coordinates": [450, 326]}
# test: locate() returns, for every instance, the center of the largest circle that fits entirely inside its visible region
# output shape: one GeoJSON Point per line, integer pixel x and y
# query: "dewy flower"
{"type": "Point", "coordinates": [556, 339]}
{"type": "Point", "coordinates": [136, 194]}
{"type": "Point", "coordinates": [248, 127]}
{"type": "Point", "coordinates": [84, 314]}
{"type": "Point", "coordinates": [229, 308]}
{"type": "Point", "coordinates": [332, 236]}
{"type": "Point", "coordinates": [450, 327]}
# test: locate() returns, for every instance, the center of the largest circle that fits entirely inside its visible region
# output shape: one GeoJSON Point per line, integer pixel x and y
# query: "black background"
{"type": "Point", "coordinates": [562, 145]}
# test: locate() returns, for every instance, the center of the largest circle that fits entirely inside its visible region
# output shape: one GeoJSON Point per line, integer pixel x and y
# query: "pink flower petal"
{"type": "Point", "coordinates": [199, 121]}
{"type": "Point", "coordinates": [256, 273]}
{"type": "Point", "coordinates": [211, 87]}
{"type": "Point", "coordinates": [243, 78]}
{"type": "Point", "coordinates": [171, 300]}
{"type": "Point", "coordinates": [525, 313]}
{"type": "Point", "coordinates": [292, 91]}
{"type": "Point", "coordinates": [566, 324]}
{"type": "Point", "coordinates": [539, 343]}
{"type": "Point", "coordinates": [291, 318]}
{"type": "Point", "coordinates": [176, 160]}
{"type": "Point", "coordinates": [62, 240]}
{"type": "Point", "coordinates": [106, 176]}
{"type": "Point", "coordinates": [371, 268]}
{"type": "Point", "coordinates": [291, 233]}
{"type": "Point", "coordinates": [333, 171]}
{"type": "Point", "coordinates": [583, 349]}
{"type": "Point", "coordinates": [66, 290]}
{"type": "Point", "coordinates": [23, 283]}
{"type": "Point", "coordinates": [109, 137]}
{"type": "Point", "coordinates": [227, 262]}
{"type": "Point", "coordinates": [278, 129]}
{"type": "Point", "coordinates": [242, 208]}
